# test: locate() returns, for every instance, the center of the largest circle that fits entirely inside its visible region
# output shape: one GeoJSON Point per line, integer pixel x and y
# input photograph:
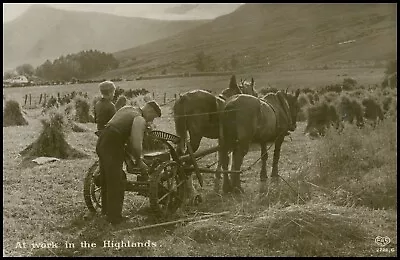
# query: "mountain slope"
{"type": "Point", "coordinates": [281, 35]}
{"type": "Point", "coordinates": [43, 32]}
{"type": "Point", "coordinates": [157, 11]}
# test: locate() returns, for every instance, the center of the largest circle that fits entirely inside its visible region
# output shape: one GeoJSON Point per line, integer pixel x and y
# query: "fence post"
{"type": "Point", "coordinates": [30, 99]}
{"type": "Point", "coordinates": [153, 96]}
{"type": "Point", "coordinates": [26, 99]}
{"type": "Point", "coordinates": [40, 99]}
{"type": "Point", "coordinates": [165, 98]}
{"type": "Point", "coordinates": [175, 96]}
{"type": "Point", "coordinates": [44, 99]}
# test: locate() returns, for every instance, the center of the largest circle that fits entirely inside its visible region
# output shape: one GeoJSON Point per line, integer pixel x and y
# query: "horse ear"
{"type": "Point", "coordinates": [232, 83]}
{"type": "Point", "coordinates": [297, 93]}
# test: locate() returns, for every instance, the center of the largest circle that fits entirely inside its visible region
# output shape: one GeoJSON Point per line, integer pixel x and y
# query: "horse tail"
{"type": "Point", "coordinates": [180, 123]}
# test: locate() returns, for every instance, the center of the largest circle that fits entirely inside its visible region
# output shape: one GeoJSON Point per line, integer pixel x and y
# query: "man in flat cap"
{"type": "Point", "coordinates": [104, 109]}
{"type": "Point", "coordinates": [128, 125]}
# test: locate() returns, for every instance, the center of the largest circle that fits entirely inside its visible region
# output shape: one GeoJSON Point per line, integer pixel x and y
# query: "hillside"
{"type": "Point", "coordinates": [276, 36]}
{"type": "Point", "coordinates": [43, 32]}
{"type": "Point", "coordinates": [167, 11]}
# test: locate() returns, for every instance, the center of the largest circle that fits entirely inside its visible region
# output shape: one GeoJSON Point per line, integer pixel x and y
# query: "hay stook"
{"type": "Point", "coordinates": [51, 141]}
{"type": "Point", "coordinates": [12, 115]}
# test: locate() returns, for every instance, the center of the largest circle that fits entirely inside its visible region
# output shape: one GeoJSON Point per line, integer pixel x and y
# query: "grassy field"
{"type": "Point", "coordinates": [278, 79]}
{"type": "Point", "coordinates": [44, 204]}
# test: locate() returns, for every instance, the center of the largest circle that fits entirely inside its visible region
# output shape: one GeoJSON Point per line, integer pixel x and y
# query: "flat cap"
{"type": "Point", "coordinates": [155, 106]}
{"type": "Point", "coordinates": [106, 86]}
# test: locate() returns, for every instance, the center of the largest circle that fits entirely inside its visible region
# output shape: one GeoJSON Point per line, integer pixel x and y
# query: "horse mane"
{"type": "Point", "coordinates": [245, 84]}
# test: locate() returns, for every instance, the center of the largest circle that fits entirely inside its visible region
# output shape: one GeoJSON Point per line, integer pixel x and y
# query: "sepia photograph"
{"type": "Point", "coordinates": [200, 129]}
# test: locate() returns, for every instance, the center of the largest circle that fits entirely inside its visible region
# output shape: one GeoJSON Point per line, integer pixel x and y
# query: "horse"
{"type": "Point", "coordinates": [247, 119]}
{"type": "Point", "coordinates": [198, 112]}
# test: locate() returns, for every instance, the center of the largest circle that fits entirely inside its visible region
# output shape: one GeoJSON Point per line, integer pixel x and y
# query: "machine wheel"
{"type": "Point", "coordinates": [92, 188]}
{"type": "Point", "coordinates": [92, 192]}
{"type": "Point", "coordinates": [166, 189]}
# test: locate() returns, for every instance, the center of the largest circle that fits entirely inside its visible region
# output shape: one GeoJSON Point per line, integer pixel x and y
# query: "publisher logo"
{"type": "Point", "coordinates": [382, 241]}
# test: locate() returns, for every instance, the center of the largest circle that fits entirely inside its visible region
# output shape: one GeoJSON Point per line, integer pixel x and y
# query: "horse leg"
{"type": "Point", "coordinates": [277, 152]}
{"type": "Point", "coordinates": [226, 185]}
{"type": "Point", "coordinates": [263, 172]}
{"type": "Point", "coordinates": [195, 139]}
{"type": "Point", "coordinates": [191, 191]}
{"type": "Point", "coordinates": [238, 155]}
{"type": "Point", "coordinates": [217, 175]}
{"type": "Point", "coordinates": [193, 197]}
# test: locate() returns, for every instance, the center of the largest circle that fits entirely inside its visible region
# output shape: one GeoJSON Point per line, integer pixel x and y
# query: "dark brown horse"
{"type": "Point", "coordinates": [198, 112]}
{"type": "Point", "coordinates": [247, 119]}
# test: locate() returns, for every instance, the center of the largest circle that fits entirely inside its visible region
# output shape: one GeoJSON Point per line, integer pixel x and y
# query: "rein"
{"type": "Point", "coordinates": [256, 161]}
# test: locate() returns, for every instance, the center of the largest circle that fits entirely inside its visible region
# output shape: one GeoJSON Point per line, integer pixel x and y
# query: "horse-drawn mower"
{"type": "Point", "coordinates": [164, 184]}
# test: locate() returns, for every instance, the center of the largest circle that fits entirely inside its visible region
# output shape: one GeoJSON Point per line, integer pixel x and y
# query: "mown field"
{"type": "Point", "coordinates": [337, 195]}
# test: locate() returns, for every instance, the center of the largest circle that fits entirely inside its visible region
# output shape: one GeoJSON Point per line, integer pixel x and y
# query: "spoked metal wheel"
{"type": "Point", "coordinates": [166, 189]}
{"type": "Point", "coordinates": [92, 192]}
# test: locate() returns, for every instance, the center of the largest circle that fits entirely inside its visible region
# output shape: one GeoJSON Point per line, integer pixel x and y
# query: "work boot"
{"type": "Point", "coordinates": [118, 220]}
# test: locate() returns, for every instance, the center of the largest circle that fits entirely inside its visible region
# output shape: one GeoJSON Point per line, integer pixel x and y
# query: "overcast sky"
{"type": "Point", "coordinates": [11, 11]}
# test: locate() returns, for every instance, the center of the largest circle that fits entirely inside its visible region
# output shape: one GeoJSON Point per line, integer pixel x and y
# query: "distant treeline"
{"type": "Point", "coordinates": [81, 65]}
{"type": "Point", "coordinates": [70, 68]}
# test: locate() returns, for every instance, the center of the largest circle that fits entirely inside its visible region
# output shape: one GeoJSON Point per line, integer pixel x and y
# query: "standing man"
{"type": "Point", "coordinates": [127, 125]}
{"type": "Point", "coordinates": [104, 109]}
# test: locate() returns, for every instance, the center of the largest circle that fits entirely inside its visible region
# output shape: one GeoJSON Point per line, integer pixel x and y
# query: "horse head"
{"type": "Point", "coordinates": [248, 87]}
{"type": "Point", "coordinates": [294, 107]}
{"type": "Point", "coordinates": [232, 90]}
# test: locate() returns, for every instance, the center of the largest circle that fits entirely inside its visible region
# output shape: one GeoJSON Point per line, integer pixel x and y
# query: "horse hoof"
{"type": "Point", "coordinates": [89, 216]}
{"type": "Point", "coordinates": [197, 200]}
{"type": "Point", "coordinates": [217, 186]}
{"type": "Point", "coordinates": [263, 187]}
{"type": "Point", "coordinates": [275, 179]}
{"type": "Point", "coordinates": [226, 187]}
{"type": "Point", "coordinates": [226, 190]}
{"type": "Point", "coordinates": [238, 190]}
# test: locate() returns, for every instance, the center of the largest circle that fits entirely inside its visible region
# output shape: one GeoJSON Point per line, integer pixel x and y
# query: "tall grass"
{"type": "Point", "coordinates": [359, 166]}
